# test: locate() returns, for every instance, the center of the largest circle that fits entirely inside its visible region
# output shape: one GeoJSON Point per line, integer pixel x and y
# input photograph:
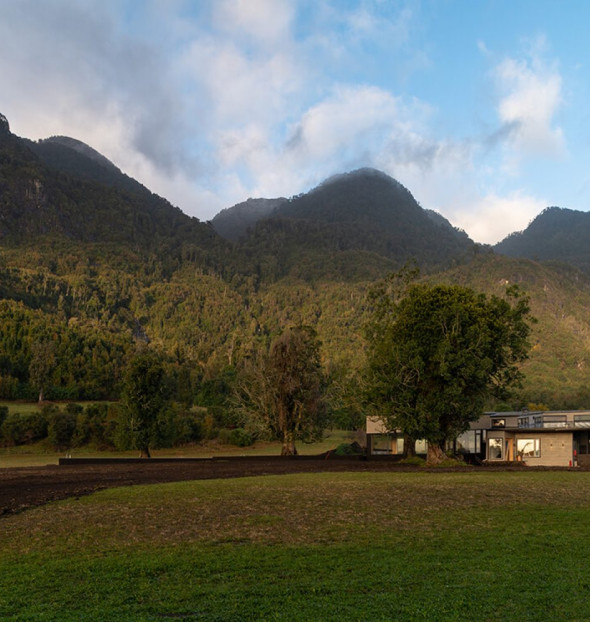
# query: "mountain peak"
{"type": "Point", "coordinates": [4, 125]}
{"type": "Point", "coordinates": [80, 147]}
{"type": "Point", "coordinates": [357, 174]}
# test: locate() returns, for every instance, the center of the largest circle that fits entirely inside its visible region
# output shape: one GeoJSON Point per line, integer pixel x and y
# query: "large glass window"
{"type": "Point", "coordinates": [582, 421]}
{"type": "Point", "coordinates": [469, 442]}
{"type": "Point", "coordinates": [528, 447]}
{"type": "Point", "coordinates": [554, 421]}
{"type": "Point", "coordinates": [495, 449]}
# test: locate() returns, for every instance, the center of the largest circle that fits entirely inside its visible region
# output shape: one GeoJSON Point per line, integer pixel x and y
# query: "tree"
{"type": "Point", "coordinates": [283, 389]}
{"type": "Point", "coordinates": [42, 366]}
{"type": "Point", "coordinates": [438, 353]}
{"type": "Point", "coordinates": [145, 396]}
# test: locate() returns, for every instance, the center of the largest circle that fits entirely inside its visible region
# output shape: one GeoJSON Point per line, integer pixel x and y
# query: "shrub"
{"type": "Point", "coordinates": [238, 437]}
{"type": "Point", "coordinates": [19, 429]}
{"type": "Point", "coordinates": [61, 429]}
{"type": "Point", "coordinates": [188, 428]}
{"type": "Point", "coordinates": [349, 449]}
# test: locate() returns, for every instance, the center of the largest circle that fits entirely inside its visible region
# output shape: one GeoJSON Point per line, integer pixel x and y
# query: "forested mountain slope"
{"type": "Point", "coordinates": [59, 187]}
{"type": "Point", "coordinates": [93, 264]}
{"type": "Point", "coordinates": [557, 234]}
{"type": "Point", "coordinates": [360, 224]}
{"type": "Point", "coordinates": [559, 364]}
{"type": "Point", "coordinates": [234, 222]}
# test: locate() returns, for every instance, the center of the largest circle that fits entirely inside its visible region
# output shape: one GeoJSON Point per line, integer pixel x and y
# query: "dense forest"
{"type": "Point", "coordinates": [93, 265]}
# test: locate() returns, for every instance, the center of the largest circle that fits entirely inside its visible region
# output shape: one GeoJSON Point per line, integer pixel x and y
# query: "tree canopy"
{"type": "Point", "coordinates": [283, 389]}
{"type": "Point", "coordinates": [438, 353]}
{"type": "Point", "coordinates": [145, 396]}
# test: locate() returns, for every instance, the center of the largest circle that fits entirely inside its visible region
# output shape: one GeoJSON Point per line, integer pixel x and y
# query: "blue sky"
{"type": "Point", "coordinates": [479, 107]}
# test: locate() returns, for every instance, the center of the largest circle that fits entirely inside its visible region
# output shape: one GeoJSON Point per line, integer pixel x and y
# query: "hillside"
{"type": "Point", "coordinates": [62, 187]}
{"type": "Point", "coordinates": [557, 234]}
{"type": "Point", "coordinates": [94, 264]}
{"type": "Point", "coordinates": [557, 371]}
{"type": "Point", "coordinates": [361, 224]}
{"type": "Point", "coordinates": [234, 222]}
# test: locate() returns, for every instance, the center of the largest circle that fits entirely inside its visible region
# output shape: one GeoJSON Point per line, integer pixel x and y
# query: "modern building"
{"type": "Point", "coordinates": [551, 438]}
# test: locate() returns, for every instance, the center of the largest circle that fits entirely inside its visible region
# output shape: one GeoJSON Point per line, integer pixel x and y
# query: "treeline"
{"type": "Point", "coordinates": [104, 426]}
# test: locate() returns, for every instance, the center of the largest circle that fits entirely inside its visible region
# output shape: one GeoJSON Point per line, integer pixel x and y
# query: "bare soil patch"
{"type": "Point", "coordinates": [23, 488]}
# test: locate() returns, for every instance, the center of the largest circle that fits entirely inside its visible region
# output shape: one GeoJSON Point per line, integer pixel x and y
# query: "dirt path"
{"type": "Point", "coordinates": [22, 488]}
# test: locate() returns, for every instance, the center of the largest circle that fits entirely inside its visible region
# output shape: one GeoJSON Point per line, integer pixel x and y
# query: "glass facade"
{"type": "Point", "coordinates": [495, 449]}
{"type": "Point", "coordinates": [528, 447]}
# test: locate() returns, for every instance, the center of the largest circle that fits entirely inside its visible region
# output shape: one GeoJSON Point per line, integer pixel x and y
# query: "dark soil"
{"type": "Point", "coordinates": [23, 488]}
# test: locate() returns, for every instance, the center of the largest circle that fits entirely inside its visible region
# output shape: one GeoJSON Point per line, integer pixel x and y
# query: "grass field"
{"type": "Point", "coordinates": [39, 455]}
{"type": "Point", "coordinates": [472, 545]}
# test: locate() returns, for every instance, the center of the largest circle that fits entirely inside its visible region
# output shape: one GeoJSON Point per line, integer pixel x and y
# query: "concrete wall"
{"type": "Point", "coordinates": [556, 448]}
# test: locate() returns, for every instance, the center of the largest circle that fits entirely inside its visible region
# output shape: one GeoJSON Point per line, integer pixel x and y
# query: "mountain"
{"type": "Point", "coordinates": [60, 186]}
{"type": "Point", "coordinates": [93, 262]}
{"type": "Point", "coordinates": [353, 220]}
{"type": "Point", "coordinates": [234, 222]}
{"type": "Point", "coordinates": [557, 234]}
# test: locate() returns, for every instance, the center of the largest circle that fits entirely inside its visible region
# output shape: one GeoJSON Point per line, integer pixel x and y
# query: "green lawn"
{"type": "Point", "coordinates": [39, 455]}
{"type": "Point", "coordinates": [472, 545]}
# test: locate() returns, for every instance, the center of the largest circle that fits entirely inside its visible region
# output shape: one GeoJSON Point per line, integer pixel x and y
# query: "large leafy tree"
{"type": "Point", "coordinates": [283, 388]}
{"type": "Point", "coordinates": [42, 366]}
{"type": "Point", "coordinates": [438, 353]}
{"type": "Point", "coordinates": [145, 396]}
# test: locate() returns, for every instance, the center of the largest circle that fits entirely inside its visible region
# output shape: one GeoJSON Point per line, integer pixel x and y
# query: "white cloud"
{"type": "Point", "coordinates": [266, 22]}
{"type": "Point", "coordinates": [531, 99]}
{"type": "Point", "coordinates": [491, 218]}
{"type": "Point", "coordinates": [222, 100]}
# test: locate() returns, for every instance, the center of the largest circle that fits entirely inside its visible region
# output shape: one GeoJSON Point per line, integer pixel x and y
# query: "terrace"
{"type": "Point", "coordinates": [567, 420]}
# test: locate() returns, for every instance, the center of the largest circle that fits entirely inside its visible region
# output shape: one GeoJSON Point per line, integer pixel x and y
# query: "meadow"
{"type": "Point", "coordinates": [470, 545]}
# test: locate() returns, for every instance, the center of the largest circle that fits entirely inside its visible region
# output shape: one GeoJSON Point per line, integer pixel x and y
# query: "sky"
{"type": "Point", "coordinates": [479, 107]}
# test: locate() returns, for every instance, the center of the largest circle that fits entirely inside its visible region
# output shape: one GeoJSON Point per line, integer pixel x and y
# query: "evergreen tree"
{"type": "Point", "coordinates": [145, 397]}
{"type": "Point", "coordinates": [437, 354]}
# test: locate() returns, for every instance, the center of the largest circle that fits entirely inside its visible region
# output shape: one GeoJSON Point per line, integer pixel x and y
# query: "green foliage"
{"type": "Point", "coordinates": [21, 429]}
{"type": "Point", "coordinates": [94, 263]}
{"type": "Point", "coordinates": [237, 437]}
{"type": "Point", "coordinates": [349, 449]}
{"type": "Point", "coordinates": [145, 399]}
{"type": "Point", "coordinates": [437, 353]}
{"type": "Point", "coordinates": [61, 427]}
{"type": "Point", "coordinates": [283, 388]}
{"type": "Point", "coordinates": [556, 234]}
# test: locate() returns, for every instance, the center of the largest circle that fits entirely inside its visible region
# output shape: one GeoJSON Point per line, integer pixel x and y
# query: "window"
{"type": "Point", "coordinates": [498, 423]}
{"type": "Point", "coordinates": [495, 449]}
{"type": "Point", "coordinates": [523, 422]}
{"type": "Point", "coordinates": [528, 447]}
{"type": "Point", "coordinates": [582, 421]}
{"type": "Point", "coordinates": [421, 446]}
{"type": "Point", "coordinates": [554, 421]}
{"type": "Point", "coordinates": [469, 442]}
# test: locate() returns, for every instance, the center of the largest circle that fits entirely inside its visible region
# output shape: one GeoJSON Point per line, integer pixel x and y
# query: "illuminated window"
{"type": "Point", "coordinates": [495, 449]}
{"type": "Point", "coordinates": [528, 447]}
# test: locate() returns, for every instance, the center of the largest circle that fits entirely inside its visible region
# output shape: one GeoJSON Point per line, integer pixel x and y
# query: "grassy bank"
{"type": "Point", "coordinates": [428, 546]}
{"type": "Point", "coordinates": [39, 455]}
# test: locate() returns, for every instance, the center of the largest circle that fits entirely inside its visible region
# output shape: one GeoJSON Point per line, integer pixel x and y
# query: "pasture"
{"type": "Point", "coordinates": [470, 545]}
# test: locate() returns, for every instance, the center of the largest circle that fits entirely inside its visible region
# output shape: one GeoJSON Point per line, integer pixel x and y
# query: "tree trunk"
{"type": "Point", "coordinates": [288, 448]}
{"type": "Point", "coordinates": [435, 455]}
{"type": "Point", "coordinates": [41, 396]}
{"type": "Point", "coordinates": [145, 452]}
{"type": "Point", "coordinates": [409, 447]}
